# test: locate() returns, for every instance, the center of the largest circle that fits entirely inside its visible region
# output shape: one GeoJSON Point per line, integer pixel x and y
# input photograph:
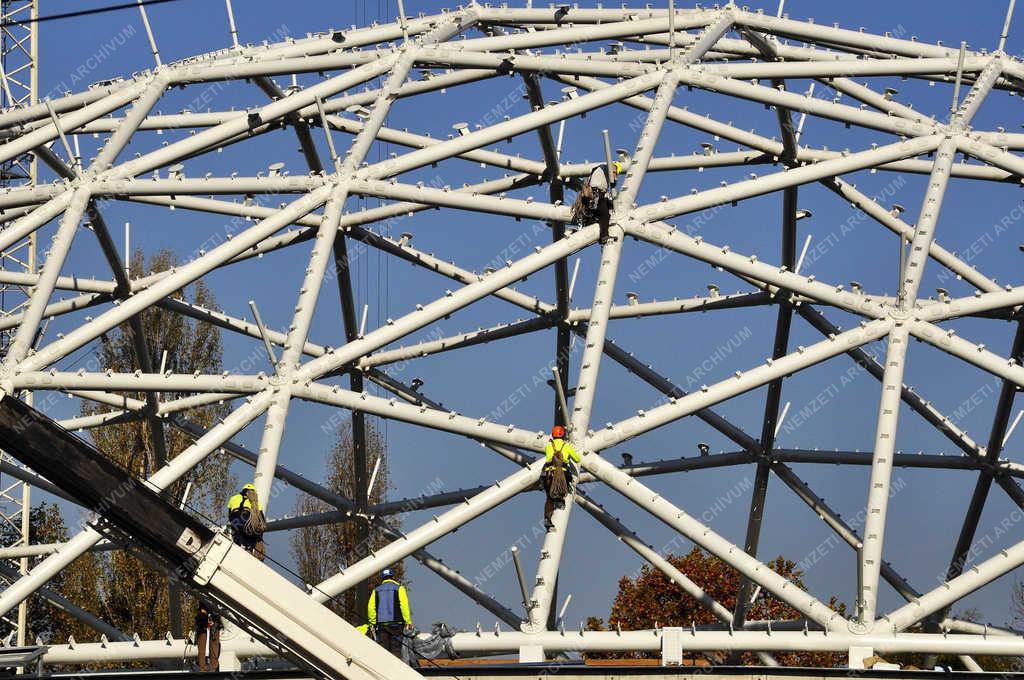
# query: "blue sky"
{"type": "Point", "coordinates": [926, 512]}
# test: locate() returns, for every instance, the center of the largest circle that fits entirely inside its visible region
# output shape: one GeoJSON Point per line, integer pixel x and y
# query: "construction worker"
{"type": "Point", "coordinates": [388, 611]}
{"type": "Point", "coordinates": [593, 203]}
{"type": "Point", "coordinates": [558, 472]}
{"type": "Point", "coordinates": [247, 521]}
{"type": "Point", "coordinates": [207, 639]}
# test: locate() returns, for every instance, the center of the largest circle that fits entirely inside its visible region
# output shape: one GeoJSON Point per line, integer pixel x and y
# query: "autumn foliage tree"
{"type": "Point", "coordinates": [191, 346]}
{"type": "Point", "coordinates": [45, 622]}
{"type": "Point", "coordinates": [321, 551]}
{"type": "Point", "coordinates": [134, 596]}
{"type": "Point", "coordinates": [116, 586]}
{"type": "Point", "coordinates": [651, 599]}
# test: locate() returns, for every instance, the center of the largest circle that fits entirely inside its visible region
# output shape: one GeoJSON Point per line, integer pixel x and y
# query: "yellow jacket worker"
{"type": "Point", "coordinates": [558, 455]}
{"type": "Point", "coordinates": [389, 611]}
{"type": "Point", "coordinates": [244, 530]}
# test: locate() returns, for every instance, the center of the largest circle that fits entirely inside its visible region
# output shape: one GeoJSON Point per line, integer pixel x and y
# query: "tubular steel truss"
{"type": "Point", "coordinates": [19, 75]}
{"type": "Point", "coordinates": [641, 58]}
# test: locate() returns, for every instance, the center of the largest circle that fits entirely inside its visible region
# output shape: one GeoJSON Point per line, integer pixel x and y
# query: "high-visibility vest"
{"type": "Point", "coordinates": [389, 603]}
{"type": "Point", "coordinates": [238, 502]}
{"type": "Point", "coordinates": [559, 446]}
{"type": "Point", "coordinates": [239, 509]}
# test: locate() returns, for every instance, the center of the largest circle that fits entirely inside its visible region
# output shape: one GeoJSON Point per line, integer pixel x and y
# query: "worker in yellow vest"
{"type": "Point", "coordinates": [388, 611]}
{"type": "Point", "coordinates": [247, 522]}
{"type": "Point", "coordinates": [559, 455]}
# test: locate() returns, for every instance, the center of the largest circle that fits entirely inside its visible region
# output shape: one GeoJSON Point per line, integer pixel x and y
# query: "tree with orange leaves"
{"type": "Point", "coordinates": [650, 599]}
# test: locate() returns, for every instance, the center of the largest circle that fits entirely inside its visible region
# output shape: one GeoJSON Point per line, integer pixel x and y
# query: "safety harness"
{"type": "Point", "coordinates": [558, 482]}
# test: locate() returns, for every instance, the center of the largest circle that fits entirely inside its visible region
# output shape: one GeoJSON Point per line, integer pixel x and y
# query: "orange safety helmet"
{"type": "Point", "coordinates": [558, 432]}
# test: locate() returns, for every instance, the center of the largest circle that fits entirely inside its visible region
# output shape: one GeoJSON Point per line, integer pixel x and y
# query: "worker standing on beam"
{"type": "Point", "coordinates": [247, 521]}
{"type": "Point", "coordinates": [593, 203]}
{"type": "Point", "coordinates": [388, 611]}
{"type": "Point", "coordinates": [559, 455]}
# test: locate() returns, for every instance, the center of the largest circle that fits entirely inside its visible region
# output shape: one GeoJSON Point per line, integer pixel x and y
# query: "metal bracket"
{"type": "Point", "coordinates": [216, 551]}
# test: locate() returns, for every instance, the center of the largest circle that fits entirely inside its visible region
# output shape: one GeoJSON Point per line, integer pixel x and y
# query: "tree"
{"type": "Point", "coordinates": [652, 599]}
{"type": "Point", "coordinates": [191, 346]}
{"type": "Point", "coordinates": [1017, 602]}
{"type": "Point", "coordinates": [135, 596]}
{"type": "Point", "coordinates": [46, 622]}
{"type": "Point", "coordinates": [321, 551]}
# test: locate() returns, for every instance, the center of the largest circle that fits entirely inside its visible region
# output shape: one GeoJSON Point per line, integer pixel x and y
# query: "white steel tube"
{"type": "Point", "coordinates": [298, 333]}
{"type": "Point", "coordinates": [149, 33]}
{"type": "Point", "coordinates": [798, 102]}
{"type": "Point", "coordinates": [723, 256]}
{"type": "Point", "coordinates": [834, 68]}
{"type": "Point", "coordinates": [174, 470]}
{"type": "Point", "coordinates": [221, 133]}
{"type": "Point", "coordinates": [788, 178]}
{"type": "Point", "coordinates": [956, 346]}
{"type": "Point", "coordinates": [983, 85]}
{"type": "Point", "coordinates": [263, 333]}
{"type": "Point", "coordinates": [1013, 426]}
{"type": "Point", "coordinates": [870, 555]}
{"type": "Point", "coordinates": [60, 132]}
{"type": "Point", "coordinates": [429, 532]}
{"type": "Point", "coordinates": [530, 121]}
{"type": "Point", "coordinates": [402, 21]}
{"type": "Point", "coordinates": [471, 644]}
{"type": "Point", "coordinates": [803, 254]}
{"type": "Point", "coordinates": [841, 36]}
{"type": "Point", "coordinates": [373, 478]}
{"type": "Point", "coordinates": [237, 384]}
{"type": "Point", "coordinates": [462, 200]}
{"type": "Point", "coordinates": [959, 78]}
{"type": "Point", "coordinates": [884, 217]}
{"type": "Point", "coordinates": [483, 286]}
{"type": "Point", "coordinates": [584, 33]}
{"type": "Point", "coordinates": [58, 308]}
{"type": "Point", "coordinates": [950, 592]}
{"type": "Point", "coordinates": [715, 544]}
{"type": "Point", "coordinates": [1006, 26]}
{"type": "Point", "coordinates": [122, 135]}
{"type": "Point", "coordinates": [60, 246]}
{"type": "Point", "coordinates": [572, 280]}
{"type": "Point", "coordinates": [676, 408]}
{"type": "Point", "coordinates": [447, 421]}
{"type": "Point", "coordinates": [26, 142]}
{"type": "Point", "coordinates": [870, 564]}
{"type": "Point", "coordinates": [182, 276]}
{"type": "Point", "coordinates": [231, 24]}
{"type": "Point", "coordinates": [23, 226]}
{"type": "Point", "coordinates": [586, 386]}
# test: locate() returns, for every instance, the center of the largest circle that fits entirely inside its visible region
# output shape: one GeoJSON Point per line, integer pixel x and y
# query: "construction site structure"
{"type": "Point", "coordinates": [332, 93]}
